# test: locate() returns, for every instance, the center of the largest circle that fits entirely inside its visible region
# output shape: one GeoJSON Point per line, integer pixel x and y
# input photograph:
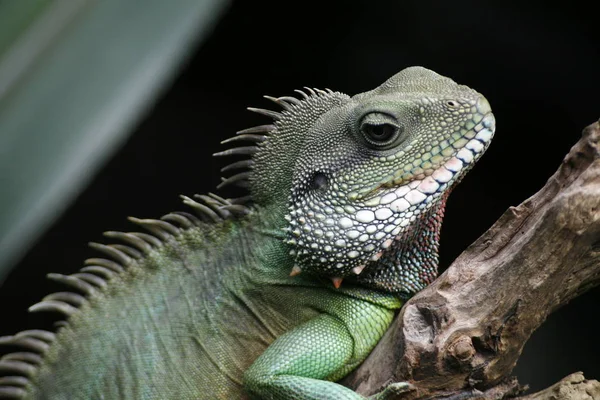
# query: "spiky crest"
{"type": "Point", "coordinates": [270, 180]}
{"type": "Point", "coordinates": [19, 367]}
{"type": "Point", "coordinates": [260, 136]}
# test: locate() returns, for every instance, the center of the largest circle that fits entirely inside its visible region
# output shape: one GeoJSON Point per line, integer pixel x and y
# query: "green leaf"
{"type": "Point", "coordinates": [75, 77]}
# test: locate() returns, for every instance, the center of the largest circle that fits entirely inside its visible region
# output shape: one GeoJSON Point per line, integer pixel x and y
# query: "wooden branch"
{"type": "Point", "coordinates": [573, 387]}
{"type": "Point", "coordinates": [462, 336]}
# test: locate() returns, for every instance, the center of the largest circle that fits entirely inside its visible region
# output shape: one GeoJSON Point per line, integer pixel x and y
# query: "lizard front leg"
{"type": "Point", "coordinates": [302, 363]}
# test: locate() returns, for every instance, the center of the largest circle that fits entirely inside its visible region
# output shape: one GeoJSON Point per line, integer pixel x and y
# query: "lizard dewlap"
{"type": "Point", "coordinates": [278, 294]}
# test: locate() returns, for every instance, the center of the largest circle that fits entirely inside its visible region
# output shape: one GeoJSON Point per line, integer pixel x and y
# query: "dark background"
{"type": "Point", "coordinates": [536, 62]}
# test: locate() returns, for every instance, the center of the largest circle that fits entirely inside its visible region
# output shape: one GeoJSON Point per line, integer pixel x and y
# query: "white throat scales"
{"type": "Point", "coordinates": [339, 236]}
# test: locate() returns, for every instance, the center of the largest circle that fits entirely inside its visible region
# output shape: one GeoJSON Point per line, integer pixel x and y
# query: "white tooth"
{"type": "Point", "coordinates": [365, 216]}
{"type": "Point", "coordinates": [415, 197]}
{"type": "Point", "coordinates": [400, 205]}
{"type": "Point", "coordinates": [345, 222]}
{"type": "Point", "coordinates": [414, 184]}
{"type": "Point", "coordinates": [475, 145]}
{"type": "Point", "coordinates": [383, 214]}
{"type": "Point", "coordinates": [388, 198]}
{"type": "Point", "coordinates": [402, 190]}
{"type": "Point", "coordinates": [428, 186]}
{"type": "Point", "coordinates": [465, 155]}
{"type": "Point", "coordinates": [453, 164]}
{"type": "Point", "coordinates": [442, 175]}
{"type": "Point", "coordinates": [485, 135]}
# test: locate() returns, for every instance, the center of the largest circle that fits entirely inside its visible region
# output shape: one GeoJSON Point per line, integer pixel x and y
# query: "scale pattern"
{"type": "Point", "coordinates": [243, 298]}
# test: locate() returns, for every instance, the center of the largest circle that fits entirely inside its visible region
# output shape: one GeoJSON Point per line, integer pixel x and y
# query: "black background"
{"type": "Point", "coordinates": [537, 63]}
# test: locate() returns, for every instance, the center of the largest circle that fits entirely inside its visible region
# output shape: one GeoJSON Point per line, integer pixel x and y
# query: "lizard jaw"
{"type": "Point", "coordinates": [349, 240]}
{"type": "Point", "coordinates": [411, 190]}
{"type": "Point", "coordinates": [397, 267]}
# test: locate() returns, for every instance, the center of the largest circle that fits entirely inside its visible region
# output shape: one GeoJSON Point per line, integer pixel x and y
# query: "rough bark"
{"type": "Point", "coordinates": [573, 387]}
{"type": "Point", "coordinates": [462, 336]}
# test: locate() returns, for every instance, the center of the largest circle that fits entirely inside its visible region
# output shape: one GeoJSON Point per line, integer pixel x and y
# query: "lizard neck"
{"type": "Point", "coordinates": [257, 241]}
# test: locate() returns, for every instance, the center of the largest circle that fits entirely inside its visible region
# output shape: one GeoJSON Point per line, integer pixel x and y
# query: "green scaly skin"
{"type": "Point", "coordinates": [211, 311]}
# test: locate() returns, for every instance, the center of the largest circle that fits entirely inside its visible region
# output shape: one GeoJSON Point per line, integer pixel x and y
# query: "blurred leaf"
{"type": "Point", "coordinates": [75, 76]}
{"type": "Point", "coordinates": [15, 17]}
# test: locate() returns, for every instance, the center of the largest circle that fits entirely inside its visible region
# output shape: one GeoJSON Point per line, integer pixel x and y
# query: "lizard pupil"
{"type": "Point", "coordinates": [380, 135]}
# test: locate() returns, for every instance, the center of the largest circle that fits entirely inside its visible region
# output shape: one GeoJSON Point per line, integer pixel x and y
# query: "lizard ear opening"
{"type": "Point", "coordinates": [319, 181]}
{"type": "Point", "coordinates": [271, 149]}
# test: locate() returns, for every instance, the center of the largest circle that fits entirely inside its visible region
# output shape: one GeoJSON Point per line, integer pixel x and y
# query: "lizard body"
{"type": "Point", "coordinates": [247, 300]}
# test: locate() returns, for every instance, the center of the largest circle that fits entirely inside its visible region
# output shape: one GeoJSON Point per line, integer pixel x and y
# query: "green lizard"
{"type": "Point", "coordinates": [245, 299]}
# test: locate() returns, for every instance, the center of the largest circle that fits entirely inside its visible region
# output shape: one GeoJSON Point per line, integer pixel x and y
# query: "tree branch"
{"type": "Point", "coordinates": [462, 336]}
{"type": "Point", "coordinates": [573, 387]}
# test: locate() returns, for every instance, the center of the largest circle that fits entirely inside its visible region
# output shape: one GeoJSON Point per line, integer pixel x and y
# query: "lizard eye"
{"type": "Point", "coordinates": [380, 131]}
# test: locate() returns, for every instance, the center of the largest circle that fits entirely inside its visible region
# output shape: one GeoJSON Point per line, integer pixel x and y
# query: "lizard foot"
{"type": "Point", "coordinates": [392, 391]}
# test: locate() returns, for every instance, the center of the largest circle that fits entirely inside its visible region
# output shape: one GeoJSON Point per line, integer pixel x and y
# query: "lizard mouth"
{"type": "Point", "coordinates": [412, 190]}
{"type": "Point", "coordinates": [413, 195]}
{"type": "Point", "coordinates": [365, 236]}
{"type": "Point", "coordinates": [406, 261]}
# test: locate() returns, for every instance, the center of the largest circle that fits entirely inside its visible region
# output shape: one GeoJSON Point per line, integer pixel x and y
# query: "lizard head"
{"type": "Point", "coordinates": [366, 178]}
